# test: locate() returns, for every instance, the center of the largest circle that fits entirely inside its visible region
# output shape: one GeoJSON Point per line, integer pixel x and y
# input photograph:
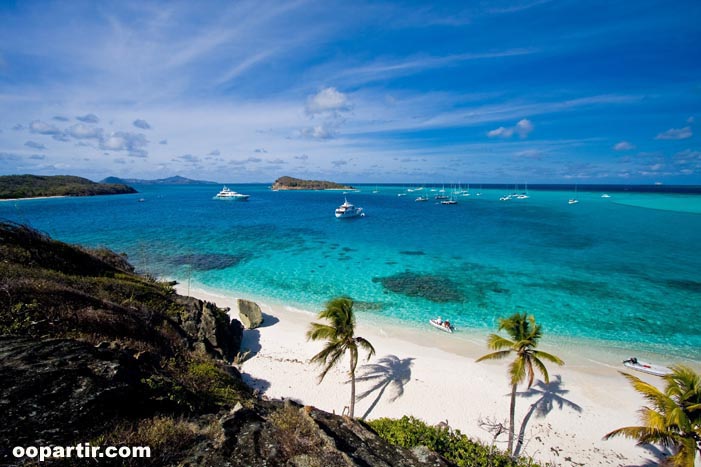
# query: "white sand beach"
{"type": "Point", "coordinates": [434, 377]}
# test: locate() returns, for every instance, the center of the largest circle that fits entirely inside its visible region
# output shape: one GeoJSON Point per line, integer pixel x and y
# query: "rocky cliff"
{"type": "Point", "coordinates": [91, 352]}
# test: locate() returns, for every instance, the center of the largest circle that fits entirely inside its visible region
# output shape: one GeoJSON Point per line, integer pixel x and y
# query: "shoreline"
{"type": "Point", "coordinates": [435, 378]}
{"type": "Point", "coordinates": [34, 197]}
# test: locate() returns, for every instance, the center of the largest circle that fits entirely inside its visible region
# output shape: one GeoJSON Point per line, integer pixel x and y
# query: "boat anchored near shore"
{"type": "Point", "coordinates": [444, 326]}
{"type": "Point", "coordinates": [646, 367]}
{"type": "Point", "coordinates": [226, 193]}
{"type": "Point", "coordinates": [347, 210]}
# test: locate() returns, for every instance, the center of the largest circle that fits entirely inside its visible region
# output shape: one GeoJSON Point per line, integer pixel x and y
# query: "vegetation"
{"type": "Point", "coordinates": [525, 334]}
{"type": "Point", "coordinates": [32, 186]}
{"type": "Point", "coordinates": [673, 417]}
{"type": "Point", "coordinates": [409, 432]}
{"type": "Point", "coordinates": [176, 180]}
{"type": "Point", "coordinates": [340, 338]}
{"type": "Point", "coordinates": [290, 183]}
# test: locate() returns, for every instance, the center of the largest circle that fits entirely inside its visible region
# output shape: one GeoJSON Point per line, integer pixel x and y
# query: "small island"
{"type": "Point", "coordinates": [38, 186]}
{"type": "Point", "coordinates": [176, 180]}
{"type": "Point", "coordinates": [291, 183]}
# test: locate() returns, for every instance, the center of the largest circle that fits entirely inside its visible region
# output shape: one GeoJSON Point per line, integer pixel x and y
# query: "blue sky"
{"type": "Point", "coordinates": [531, 91]}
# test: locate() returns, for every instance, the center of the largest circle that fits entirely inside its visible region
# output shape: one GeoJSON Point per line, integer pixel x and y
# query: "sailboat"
{"type": "Point", "coordinates": [574, 200]}
{"type": "Point", "coordinates": [524, 194]}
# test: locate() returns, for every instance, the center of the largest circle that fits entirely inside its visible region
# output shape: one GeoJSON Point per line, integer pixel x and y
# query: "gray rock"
{"type": "Point", "coordinates": [250, 314]}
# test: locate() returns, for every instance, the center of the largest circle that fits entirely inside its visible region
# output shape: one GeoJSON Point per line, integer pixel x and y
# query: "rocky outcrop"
{"type": "Point", "coordinates": [211, 327]}
{"type": "Point", "coordinates": [250, 314]}
{"type": "Point", "coordinates": [90, 351]}
{"type": "Point", "coordinates": [54, 389]}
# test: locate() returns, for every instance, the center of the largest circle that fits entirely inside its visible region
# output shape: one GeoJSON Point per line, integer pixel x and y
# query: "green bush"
{"type": "Point", "coordinates": [409, 432]}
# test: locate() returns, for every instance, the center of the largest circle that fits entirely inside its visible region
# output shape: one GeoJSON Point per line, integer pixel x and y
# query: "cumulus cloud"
{"type": "Point", "coordinates": [89, 118]}
{"type": "Point", "coordinates": [43, 128]}
{"type": "Point", "coordinates": [623, 146]}
{"type": "Point", "coordinates": [260, 151]}
{"type": "Point", "coordinates": [143, 124]}
{"type": "Point", "coordinates": [303, 157]}
{"type": "Point", "coordinates": [80, 131]}
{"type": "Point", "coordinates": [252, 160]}
{"type": "Point", "coordinates": [37, 157]}
{"type": "Point", "coordinates": [323, 131]}
{"type": "Point", "coordinates": [276, 161]}
{"type": "Point", "coordinates": [522, 129]}
{"type": "Point", "coordinates": [328, 100]}
{"type": "Point", "coordinates": [189, 158]}
{"type": "Point", "coordinates": [214, 153]}
{"type": "Point", "coordinates": [18, 127]}
{"type": "Point", "coordinates": [35, 145]}
{"type": "Point", "coordinates": [676, 133]}
{"type": "Point", "coordinates": [61, 118]}
{"type": "Point", "coordinates": [8, 157]}
{"type": "Point", "coordinates": [133, 143]}
{"type": "Point", "coordinates": [163, 141]}
{"type": "Point", "coordinates": [339, 163]}
{"type": "Point", "coordinates": [690, 120]}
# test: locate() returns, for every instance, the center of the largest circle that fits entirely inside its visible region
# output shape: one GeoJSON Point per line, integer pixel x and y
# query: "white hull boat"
{"type": "Point", "coordinates": [646, 367]}
{"type": "Point", "coordinates": [347, 210]}
{"type": "Point", "coordinates": [444, 326]}
{"type": "Point", "coordinates": [226, 193]}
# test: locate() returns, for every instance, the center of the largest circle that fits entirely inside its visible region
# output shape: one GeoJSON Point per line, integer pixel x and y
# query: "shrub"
{"type": "Point", "coordinates": [409, 432]}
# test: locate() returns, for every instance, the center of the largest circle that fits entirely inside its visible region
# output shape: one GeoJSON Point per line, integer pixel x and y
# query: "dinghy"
{"type": "Point", "coordinates": [444, 326]}
{"type": "Point", "coordinates": [646, 367]}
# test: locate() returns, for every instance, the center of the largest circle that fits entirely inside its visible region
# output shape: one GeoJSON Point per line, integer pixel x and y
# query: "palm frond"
{"type": "Point", "coordinates": [497, 342]}
{"type": "Point", "coordinates": [541, 367]}
{"type": "Point", "coordinates": [366, 345]}
{"type": "Point", "coordinates": [494, 355]}
{"type": "Point", "coordinates": [550, 357]}
{"type": "Point", "coordinates": [320, 331]}
{"type": "Point", "coordinates": [517, 370]}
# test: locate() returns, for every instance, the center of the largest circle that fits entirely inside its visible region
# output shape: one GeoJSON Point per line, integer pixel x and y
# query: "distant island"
{"type": "Point", "coordinates": [36, 186]}
{"type": "Point", "coordinates": [290, 183]}
{"type": "Point", "coordinates": [177, 180]}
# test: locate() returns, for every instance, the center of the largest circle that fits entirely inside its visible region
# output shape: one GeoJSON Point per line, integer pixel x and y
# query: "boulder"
{"type": "Point", "coordinates": [250, 314]}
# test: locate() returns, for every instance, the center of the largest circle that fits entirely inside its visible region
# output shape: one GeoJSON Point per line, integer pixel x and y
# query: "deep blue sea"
{"type": "Point", "coordinates": [623, 270]}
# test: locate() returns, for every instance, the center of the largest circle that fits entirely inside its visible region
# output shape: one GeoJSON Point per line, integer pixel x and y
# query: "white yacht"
{"type": "Point", "coordinates": [226, 193]}
{"type": "Point", "coordinates": [347, 210]}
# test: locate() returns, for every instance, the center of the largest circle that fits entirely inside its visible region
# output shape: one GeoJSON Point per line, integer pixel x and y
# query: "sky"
{"type": "Point", "coordinates": [528, 91]}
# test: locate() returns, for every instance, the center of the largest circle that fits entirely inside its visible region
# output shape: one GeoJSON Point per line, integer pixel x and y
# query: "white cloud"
{"type": "Point", "coordinates": [35, 145]}
{"type": "Point", "coordinates": [134, 143]}
{"type": "Point", "coordinates": [80, 131]}
{"type": "Point", "coordinates": [163, 141]}
{"type": "Point", "coordinates": [89, 118]}
{"type": "Point", "coordinates": [690, 120]}
{"type": "Point", "coordinates": [522, 129]}
{"type": "Point", "coordinates": [676, 133]}
{"type": "Point", "coordinates": [43, 128]}
{"type": "Point", "coordinates": [322, 132]}
{"type": "Point", "coordinates": [143, 124]}
{"type": "Point", "coordinates": [216, 152]}
{"type": "Point", "coordinates": [328, 100]}
{"type": "Point", "coordinates": [623, 146]}
{"type": "Point", "coordinates": [61, 118]}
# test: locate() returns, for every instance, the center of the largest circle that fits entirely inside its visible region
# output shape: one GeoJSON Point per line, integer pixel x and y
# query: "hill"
{"type": "Point", "coordinates": [176, 180]}
{"type": "Point", "coordinates": [290, 183]}
{"type": "Point", "coordinates": [33, 186]}
{"type": "Point", "coordinates": [92, 352]}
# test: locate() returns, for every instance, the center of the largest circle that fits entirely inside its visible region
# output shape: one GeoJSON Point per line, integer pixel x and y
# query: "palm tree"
{"type": "Point", "coordinates": [340, 338]}
{"type": "Point", "coordinates": [673, 418]}
{"type": "Point", "coordinates": [525, 334]}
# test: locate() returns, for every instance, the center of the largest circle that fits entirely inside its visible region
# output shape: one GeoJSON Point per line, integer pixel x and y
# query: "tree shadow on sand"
{"type": "Point", "coordinates": [549, 395]}
{"type": "Point", "coordinates": [390, 372]}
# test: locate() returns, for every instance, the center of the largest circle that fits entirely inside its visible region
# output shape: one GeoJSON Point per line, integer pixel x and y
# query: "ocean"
{"type": "Point", "coordinates": [619, 272]}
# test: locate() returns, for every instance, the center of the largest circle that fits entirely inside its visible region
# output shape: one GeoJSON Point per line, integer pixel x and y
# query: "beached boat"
{"type": "Point", "coordinates": [226, 193]}
{"type": "Point", "coordinates": [646, 367]}
{"type": "Point", "coordinates": [347, 210]}
{"type": "Point", "coordinates": [444, 326]}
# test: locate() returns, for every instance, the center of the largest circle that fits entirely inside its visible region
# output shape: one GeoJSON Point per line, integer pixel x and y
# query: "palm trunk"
{"type": "Point", "coordinates": [352, 375]}
{"type": "Point", "coordinates": [512, 415]}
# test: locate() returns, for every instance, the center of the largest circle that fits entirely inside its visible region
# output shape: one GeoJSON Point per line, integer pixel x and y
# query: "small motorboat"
{"type": "Point", "coordinates": [444, 326]}
{"type": "Point", "coordinates": [646, 367]}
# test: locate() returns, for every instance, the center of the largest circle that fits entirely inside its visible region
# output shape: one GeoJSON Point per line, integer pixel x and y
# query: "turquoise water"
{"type": "Point", "coordinates": [624, 270]}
